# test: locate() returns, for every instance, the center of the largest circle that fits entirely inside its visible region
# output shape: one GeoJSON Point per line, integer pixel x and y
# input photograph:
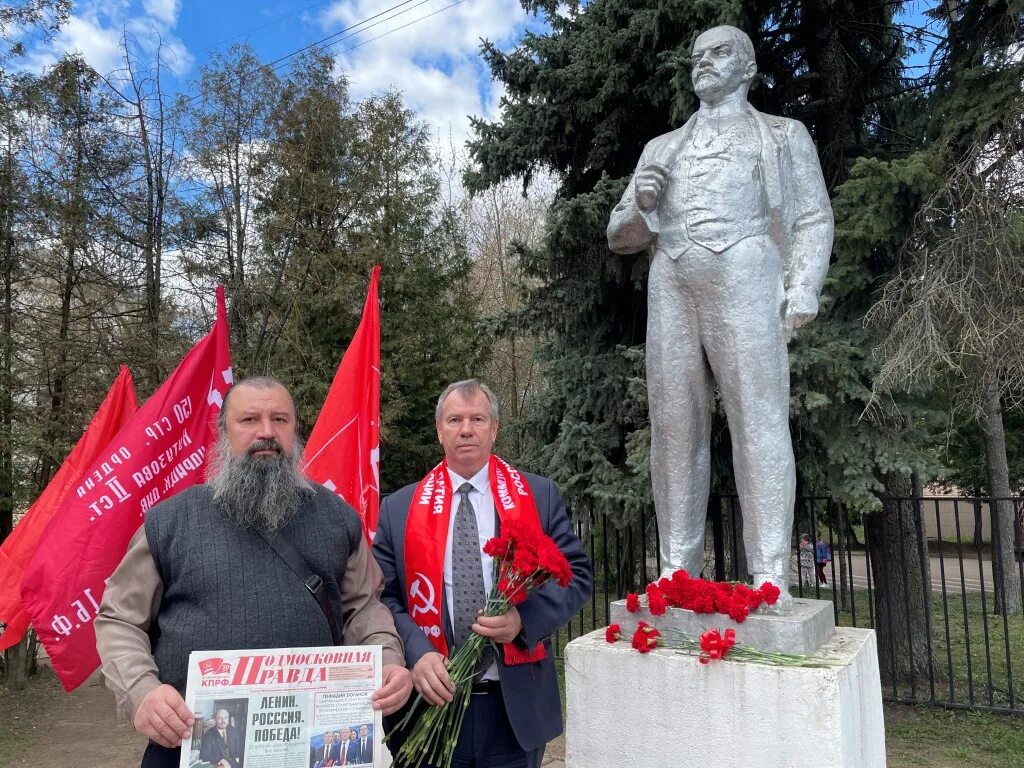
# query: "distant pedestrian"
{"type": "Point", "coordinates": [806, 559]}
{"type": "Point", "coordinates": [822, 557]}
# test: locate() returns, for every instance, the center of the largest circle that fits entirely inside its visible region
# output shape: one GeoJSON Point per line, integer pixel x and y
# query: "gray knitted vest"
{"type": "Point", "coordinates": [224, 588]}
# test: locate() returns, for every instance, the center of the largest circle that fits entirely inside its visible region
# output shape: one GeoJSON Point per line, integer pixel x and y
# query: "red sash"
{"type": "Point", "coordinates": [426, 535]}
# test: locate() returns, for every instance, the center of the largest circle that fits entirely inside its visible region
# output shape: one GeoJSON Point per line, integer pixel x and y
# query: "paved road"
{"type": "Point", "coordinates": [974, 573]}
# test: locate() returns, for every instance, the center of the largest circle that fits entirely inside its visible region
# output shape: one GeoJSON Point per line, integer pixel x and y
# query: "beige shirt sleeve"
{"type": "Point", "coordinates": [366, 620]}
{"type": "Point", "coordinates": [131, 599]}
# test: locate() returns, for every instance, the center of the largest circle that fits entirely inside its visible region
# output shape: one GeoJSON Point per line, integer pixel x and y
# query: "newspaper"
{"type": "Point", "coordinates": [284, 708]}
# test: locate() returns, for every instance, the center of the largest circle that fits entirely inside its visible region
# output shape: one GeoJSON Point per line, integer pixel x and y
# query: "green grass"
{"type": "Point", "coordinates": [938, 738]}
{"type": "Point", "coordinates": [962, 648]}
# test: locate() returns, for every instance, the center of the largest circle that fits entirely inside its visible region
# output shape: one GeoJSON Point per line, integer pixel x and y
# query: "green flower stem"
{"type": "Point", "coordinates": [436, 730]}
{"type": "Point", "coordinates": [680, 641]}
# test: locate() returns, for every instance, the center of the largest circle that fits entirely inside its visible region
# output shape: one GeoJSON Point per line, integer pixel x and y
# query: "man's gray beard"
{"type": "Point", "coordinates": [261, 491]}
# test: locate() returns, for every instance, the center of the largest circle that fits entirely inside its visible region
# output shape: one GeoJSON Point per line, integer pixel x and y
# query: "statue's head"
{"type": "Point", "coordinates": [722, 63]}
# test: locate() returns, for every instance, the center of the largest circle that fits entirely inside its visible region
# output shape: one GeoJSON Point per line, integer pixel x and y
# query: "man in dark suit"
{"type": "Point", "coordinates": [515, 708]}
{"type": "Point", "coordinates": [323, 755]}
{"type": "Point", "coordinates": [336, 748]}
{"type": "Point", "coordinates": [353, 747]}
{"type": "Point", "coordinates": [365, 744]}
{"type": "Point", "coordinates": [222, 744]}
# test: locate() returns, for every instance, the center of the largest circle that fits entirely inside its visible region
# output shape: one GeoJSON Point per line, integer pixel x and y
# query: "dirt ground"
{"type": "Point", "coordinates": [42, 723]}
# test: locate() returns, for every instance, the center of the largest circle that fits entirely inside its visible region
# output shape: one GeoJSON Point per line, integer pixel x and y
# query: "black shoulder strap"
{"type": "Point", "coordinates": [313, 583]}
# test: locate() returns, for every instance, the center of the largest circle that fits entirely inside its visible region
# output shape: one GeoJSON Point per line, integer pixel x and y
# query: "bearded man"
{"type": "Point", "coordinates": [201, 574]}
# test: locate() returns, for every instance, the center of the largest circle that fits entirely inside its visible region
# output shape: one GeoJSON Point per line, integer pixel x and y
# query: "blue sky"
{"type": "Point", "coordinates": [428, 49]}
{"type": "Point", "coordinates": [434, 60]}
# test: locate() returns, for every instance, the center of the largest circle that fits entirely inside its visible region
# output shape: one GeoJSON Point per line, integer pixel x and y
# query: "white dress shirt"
{"type": "Point", "coordinates": [483, 504]}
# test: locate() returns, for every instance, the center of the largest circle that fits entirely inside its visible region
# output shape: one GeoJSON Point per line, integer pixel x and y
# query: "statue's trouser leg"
{"type": "Point", "coordinates": [742, 324]}
{"type": "Point", "coordinates": [679, 389]}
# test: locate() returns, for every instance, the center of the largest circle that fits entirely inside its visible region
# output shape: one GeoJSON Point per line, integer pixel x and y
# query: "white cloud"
{"type": "Point", "coordinates": [165, 11]}
{"type": "Point", "coordinates": [96, 28]}
{"type": "Point", "coordinates": [435, 62]}
{"type": "Point", "coordinates": [99, 45]}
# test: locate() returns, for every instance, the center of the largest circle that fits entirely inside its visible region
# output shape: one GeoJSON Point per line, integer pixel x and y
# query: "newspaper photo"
{"type": "Point", "coordinates": [284, 708]}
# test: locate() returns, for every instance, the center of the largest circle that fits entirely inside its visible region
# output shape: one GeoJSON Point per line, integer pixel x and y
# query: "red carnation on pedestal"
{"type": "Point", "coordinates": [646, 637]}
{"type": "Point", "coordinates": [613, 633]}
{"type": "Point", "coordinates": [656, 603]}
{"type": "Point", "coordinates": [770, 593]}
{"type": "Point", "coordinates": [679, 590]}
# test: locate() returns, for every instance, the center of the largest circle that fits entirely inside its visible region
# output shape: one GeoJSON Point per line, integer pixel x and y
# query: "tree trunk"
{"type": "Point", "coordinates": [1004, 560]}
{"type": "Point", "coordinates": [7, 347]}
{"type": "Point", "coordinates": [902, 586]}
{"type": "Point", "coordinates": [734, 546]}
{"type": "Point", "coordinates": [18, 663]}
{"type": "Point", "coordinates": [979, 524]}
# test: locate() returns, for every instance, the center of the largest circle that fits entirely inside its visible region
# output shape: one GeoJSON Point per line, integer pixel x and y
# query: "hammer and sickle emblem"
{"type": "Point", "coordinates": [417, 594]}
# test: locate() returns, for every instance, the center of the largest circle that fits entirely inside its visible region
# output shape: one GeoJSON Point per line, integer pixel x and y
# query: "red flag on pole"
{"type": "Point", "coordinates": [343, 451]}
{"type": "Point", "coordinates": [161, 451]}
{"type": "Point", "coordinates": [117, 407]}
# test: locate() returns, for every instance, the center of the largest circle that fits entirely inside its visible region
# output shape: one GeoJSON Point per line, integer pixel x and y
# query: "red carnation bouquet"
{"type": "Point", "coordinates": [524, 560]}
{"type": "Point", "coordinates": [730, 598]}
{"type": "Point", "coordinates": [680, 590]}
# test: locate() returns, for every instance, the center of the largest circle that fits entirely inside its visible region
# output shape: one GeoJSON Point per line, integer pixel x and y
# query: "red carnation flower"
{"type": "Point", "coordinates": [554, 562]}
{"type": "Point", "coordinates": [738, 611]}
{"type": "Point", "coordinates": [770, 593]}
{"type": "Point", "coordinates": [751, 598]}
{"type": "Point", "coordinates": [655, 600]}
{"type": "Point", "coordinates": [525, 560]}
{"type": "Point", "coordinates": [645, 638]}
{"type": "Point", "coordinates": [613, 633]}
{"type": "Point", "coordinates": [632, 602]}
{"type": "Point", "coordinates": [498, 546]}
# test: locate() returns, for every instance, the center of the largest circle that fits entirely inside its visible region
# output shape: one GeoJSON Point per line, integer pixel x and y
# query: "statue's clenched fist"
{"type": "Point", "coordinates": [649, 183]}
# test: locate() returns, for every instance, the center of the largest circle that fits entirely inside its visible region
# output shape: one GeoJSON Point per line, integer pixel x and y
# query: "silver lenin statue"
{"type": "Point", "coordinates": [734, 211]}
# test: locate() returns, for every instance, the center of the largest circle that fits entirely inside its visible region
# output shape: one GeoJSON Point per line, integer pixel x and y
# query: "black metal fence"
{"type": "Point", "coordinates": [969, 651]}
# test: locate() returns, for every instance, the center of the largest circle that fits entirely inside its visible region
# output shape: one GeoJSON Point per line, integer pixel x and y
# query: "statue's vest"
{"type": "Point", "coordinates": [710, 199]}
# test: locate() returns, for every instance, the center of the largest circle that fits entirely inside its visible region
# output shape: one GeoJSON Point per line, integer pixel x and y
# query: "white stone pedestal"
{"type": "Point", "coordinates": [665, 709]}
{"type": "Point", "coordinates": [802, 631]}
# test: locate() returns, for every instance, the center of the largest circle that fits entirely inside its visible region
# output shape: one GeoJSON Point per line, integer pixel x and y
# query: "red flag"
{"type": "Point", "coordinates": [117, 407]}
{"type": "Point", "coordinates": [343, 451]}
{"type": "Point", "coordinates": [163, 450]}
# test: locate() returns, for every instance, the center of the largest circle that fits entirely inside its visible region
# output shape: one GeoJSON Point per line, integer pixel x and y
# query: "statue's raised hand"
{"type": "Point", "coordinates": [649, 183]}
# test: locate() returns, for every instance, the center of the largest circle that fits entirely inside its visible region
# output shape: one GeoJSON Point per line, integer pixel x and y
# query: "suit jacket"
{"type": "Point", "coordinates": [798, 206]}
{"type": "Point", "coordinates": [316, 755]}
{"type": "Point", "coordinates": [365, 755]}
{"type": "Point", "coordinates": [354, 754]}
{"type": "Point", "coordinates": [530, 691]}
{"type": "Point", "coordinates": [213, 748]}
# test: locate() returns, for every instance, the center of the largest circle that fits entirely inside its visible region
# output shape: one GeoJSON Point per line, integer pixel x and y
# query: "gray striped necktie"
{"type": "Point", "coordinates": [468, 595]}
